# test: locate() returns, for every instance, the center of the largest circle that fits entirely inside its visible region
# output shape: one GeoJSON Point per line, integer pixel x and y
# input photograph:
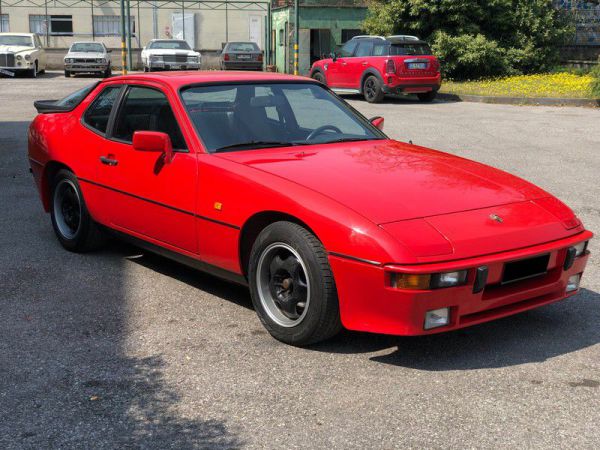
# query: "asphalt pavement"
{"type": "Point", "coordinates": [123, 349]}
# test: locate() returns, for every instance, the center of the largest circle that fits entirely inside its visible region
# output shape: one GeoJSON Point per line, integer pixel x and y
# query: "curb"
{"type": "Point", "coordinates": [541, 101]}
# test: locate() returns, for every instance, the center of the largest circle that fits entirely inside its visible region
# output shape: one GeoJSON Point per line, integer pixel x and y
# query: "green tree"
{"type": "Point", "coordinates": [478, 38]}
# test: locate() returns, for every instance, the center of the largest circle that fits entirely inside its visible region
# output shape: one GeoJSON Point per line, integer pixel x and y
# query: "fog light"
{"type": "Point", "coordinates": [437, 318]}
{"type": "Point", "coordinates": [573, 283]}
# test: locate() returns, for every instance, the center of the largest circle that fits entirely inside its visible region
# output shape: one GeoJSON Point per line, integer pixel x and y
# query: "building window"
{"type": "Point", "coordinates": [59, 25]}
{"type": "Point", "coordinates": [349, 34]}
{"type": "Point", "coordinates": [4, 23]}
{"type": "Point", "coordinates": [110, 25]}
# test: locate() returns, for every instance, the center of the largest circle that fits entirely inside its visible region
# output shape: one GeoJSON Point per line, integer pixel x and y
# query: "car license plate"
{"type": "Point", "coordinates": [7, 73]}
{"type": "Point", "coordinates": [175, 66]}
{"type": "Point", "coordinates": [417, 66]}
{"type": "Point", "coordinates": [243, 56]}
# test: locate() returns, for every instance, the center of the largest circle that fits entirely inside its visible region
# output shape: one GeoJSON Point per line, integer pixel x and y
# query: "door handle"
{"type": "Point", "coordinates": [108, 161]}
{"type": "Point", "coordinates": [364, 63]}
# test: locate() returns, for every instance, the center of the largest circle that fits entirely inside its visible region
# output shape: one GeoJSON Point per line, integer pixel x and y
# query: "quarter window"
{"type": "Point", "coordinates": [147, 109]}
{"type": "Point", "coordinates": [98, 113]}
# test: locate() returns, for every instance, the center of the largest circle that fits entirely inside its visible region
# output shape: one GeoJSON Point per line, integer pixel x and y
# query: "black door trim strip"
{"type": "Point", "coordinates": [173, 208]}
{"type": "Point", "coordinates": [354, 258]}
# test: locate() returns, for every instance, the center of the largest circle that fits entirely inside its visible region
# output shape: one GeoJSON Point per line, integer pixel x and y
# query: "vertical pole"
{"type": "Point", "coordinates": [183, 19]}
{"type": "Point", "coordinates": [154, 20]}
{"type": "Point", "coordinates": [1, 22]}
{"type": "Point", "coordinates": [139, 25]}
{"type": "Point", "coordinates": [47, 24]}
{"type": "Point", "coordinates": [270, 34]}
{"type": "Point", "coordinates": [123, 53]}
{"type": "Point", "coordinates": [93, 31]}
{"type": "Point", "coordinates": [226, 21]}
{"type": "Point", "coordinates": [129, 62]}
{"type": "Point", "coordinates": [297, 35]}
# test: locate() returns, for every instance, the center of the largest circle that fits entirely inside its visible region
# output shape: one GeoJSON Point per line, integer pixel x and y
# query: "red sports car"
{"type": "Point", "coordinates": [273, 181]}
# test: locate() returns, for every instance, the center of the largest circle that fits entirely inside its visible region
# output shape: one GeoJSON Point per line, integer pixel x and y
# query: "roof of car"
{"type": "Point", "coordinates": [184, 78]}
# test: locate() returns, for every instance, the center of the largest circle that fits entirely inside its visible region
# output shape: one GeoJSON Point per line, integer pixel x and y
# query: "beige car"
{"type": "Point", "coordinates": [21, 52]}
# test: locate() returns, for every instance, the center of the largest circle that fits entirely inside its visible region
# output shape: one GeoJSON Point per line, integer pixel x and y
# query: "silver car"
{"type": "Point", "coordinates": [241, 56]}
{"type": "Point", "coordinates": [88, 57]}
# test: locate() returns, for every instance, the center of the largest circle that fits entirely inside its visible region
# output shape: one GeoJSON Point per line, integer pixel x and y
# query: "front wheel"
{"type": "Point", "coordinates": [427, 97]}
{"type": "Point", "coordinates": [33, 73]}
{"type": "Point", "coordinates": [67, 74]}
{"type": "Point", "coordinates": [372, 89]}
{"type": "Point", "coordinates": [319, 77]}
{"type": "Point", "coordinates": [72, 223]}
{"type": "Point", "coordinates": [292, 286]}
{"type": "Point", "coordinates": [107, 73]}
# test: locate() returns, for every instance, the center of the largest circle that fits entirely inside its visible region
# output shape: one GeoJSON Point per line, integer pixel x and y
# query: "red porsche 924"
{"type": "Point", "coordinates": [274, 182]}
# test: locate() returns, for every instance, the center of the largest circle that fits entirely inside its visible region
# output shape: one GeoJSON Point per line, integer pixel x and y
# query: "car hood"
{"type": "Point", "coordinates": [388, 181]}
{"type": "Point", "coordinates": [86, 55]}
{"type": "Point", "coordinates": [15, 48]}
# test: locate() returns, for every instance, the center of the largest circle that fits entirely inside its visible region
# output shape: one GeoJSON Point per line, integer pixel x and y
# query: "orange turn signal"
{"type": "Point", "coordinates": [410, 281]}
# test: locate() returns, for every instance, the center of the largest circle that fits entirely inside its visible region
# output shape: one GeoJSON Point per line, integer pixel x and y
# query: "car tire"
{"type": "Point", "coordinates": [292, 286]}
{"type": "Point", "coordinates": [107, 73]}
{"type": "Point", "coordinates": [427, 97]}
{"type": "Point", "coordinates": [372, 90]}
{"type": "Point", "coordinates": [67, 74]}
{"type": "Point", "coordinates": [74, 227]}
{"type": "Point", "coordinates": [146, 69]}
{"type": "Point", "coordinates": [319, 77]}
{"type": "Point", "coordinates": [33, 73]}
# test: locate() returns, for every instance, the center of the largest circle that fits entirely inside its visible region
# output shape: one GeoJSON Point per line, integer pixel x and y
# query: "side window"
{"type": "Point", "coordinates": [147, 109]}
{"type": "Point", "coordinates": [348, 49]}
{"type": "Point", "coordinates": [98, 113]}
{"type": "Point", "coordinates": [364, 49]}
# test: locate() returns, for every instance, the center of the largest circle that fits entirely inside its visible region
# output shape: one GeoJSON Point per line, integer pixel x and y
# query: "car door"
{"type": "Point", "coordinates": [337, 69]}
{"type": "Point", "coordinates": [359, 63]}
{"type": "Point", "coordinates": [150, 197]}
{"type": "Point", "coordinates": [41, 53]}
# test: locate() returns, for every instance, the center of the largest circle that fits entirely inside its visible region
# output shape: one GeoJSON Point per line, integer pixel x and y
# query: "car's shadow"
{"type": "Point", "coordinates": [533, 336]}
{"type": "Point", "coordinates": [399, 99]}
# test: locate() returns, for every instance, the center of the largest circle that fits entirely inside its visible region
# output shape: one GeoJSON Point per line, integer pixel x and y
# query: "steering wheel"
{"type": "Point", "coordinates": [322, 129]}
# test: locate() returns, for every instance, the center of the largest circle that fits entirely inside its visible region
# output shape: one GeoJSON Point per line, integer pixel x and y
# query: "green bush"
{"type": "Point", "coordinates": [481, 38]}
{"type": "Point", "coordinates": [595, 72]}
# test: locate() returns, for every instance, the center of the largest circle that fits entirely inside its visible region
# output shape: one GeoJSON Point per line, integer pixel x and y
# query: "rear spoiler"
{"type": "Point", "coordinates": [50, 106]}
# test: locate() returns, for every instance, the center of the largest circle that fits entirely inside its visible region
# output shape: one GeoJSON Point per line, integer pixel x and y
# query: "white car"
{"type": "Point", "coordinates": [169, 54]}
{"type": "Point", "coordinates": [21, 52]}
{"type": "Point", "coordinates": [88, 57]}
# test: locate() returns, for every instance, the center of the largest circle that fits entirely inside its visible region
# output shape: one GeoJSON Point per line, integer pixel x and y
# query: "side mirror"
{"type": "Point", "coordinates": [377, 122]}
{"type": "Point", "coordinates": [109, 51]}
{"type": "Point", "coordinates": [153, 141]}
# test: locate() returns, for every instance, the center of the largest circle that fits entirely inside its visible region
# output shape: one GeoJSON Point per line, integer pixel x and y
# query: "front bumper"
{"type": "Point", "coordinates": [159, 65]}
{"type": "Point", "coordinates": [86, 67]}
{"type": "Point", "coordinates": [369, 303]}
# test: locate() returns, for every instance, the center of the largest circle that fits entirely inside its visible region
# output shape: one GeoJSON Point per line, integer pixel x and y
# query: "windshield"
{"type": "Point", "coordinates": [87, 47]}
{"type": "Point", "coordinates": [250, 116]}
{"type": "Point", "coordinates": [242, 47]}
{"type": "Point", "coordinates": [21, 41]}
{"type": "Point", "coordinates": [409, 49]}
{"type": "Point", "coordinates": [170, 45]}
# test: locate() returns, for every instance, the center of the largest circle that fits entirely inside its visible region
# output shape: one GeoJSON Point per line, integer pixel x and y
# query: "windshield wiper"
{"type": "Point", "coordinates": [352, 140]}
{"type": "Point", "coordinates": [256, 144]}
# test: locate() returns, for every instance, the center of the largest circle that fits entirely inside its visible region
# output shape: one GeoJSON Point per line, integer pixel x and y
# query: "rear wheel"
{"type": "Point", "coordinates": [292, 286]}
{"type": "Point", "coordinates": [372, 89]}
{"type": "Point", "coordinates": [73, 225]}
{"type": "Point", "coordinates": [427, 96]}
{"type": "Point", "coordinates": [319, 77]}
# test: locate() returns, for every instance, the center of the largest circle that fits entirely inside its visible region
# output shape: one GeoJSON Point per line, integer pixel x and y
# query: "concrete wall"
{"type": "Point", "coordinates": [211, 29]}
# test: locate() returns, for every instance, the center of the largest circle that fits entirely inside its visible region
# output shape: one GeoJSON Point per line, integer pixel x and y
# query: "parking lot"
{"type": "Point", "coordinates": [123, 349]}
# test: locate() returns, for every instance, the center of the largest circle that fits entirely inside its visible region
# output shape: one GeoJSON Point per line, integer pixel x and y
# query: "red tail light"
{"type": "Point", "coordinates": [390, 66]}
{"type": "Point", "coordinates": [226, 57]}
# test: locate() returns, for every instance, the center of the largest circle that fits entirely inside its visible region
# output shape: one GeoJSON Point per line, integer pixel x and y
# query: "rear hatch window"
{"type": "Point", "coordinates": [66, 104]}
{"type": "Point", "coordinates": [410, 49]}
